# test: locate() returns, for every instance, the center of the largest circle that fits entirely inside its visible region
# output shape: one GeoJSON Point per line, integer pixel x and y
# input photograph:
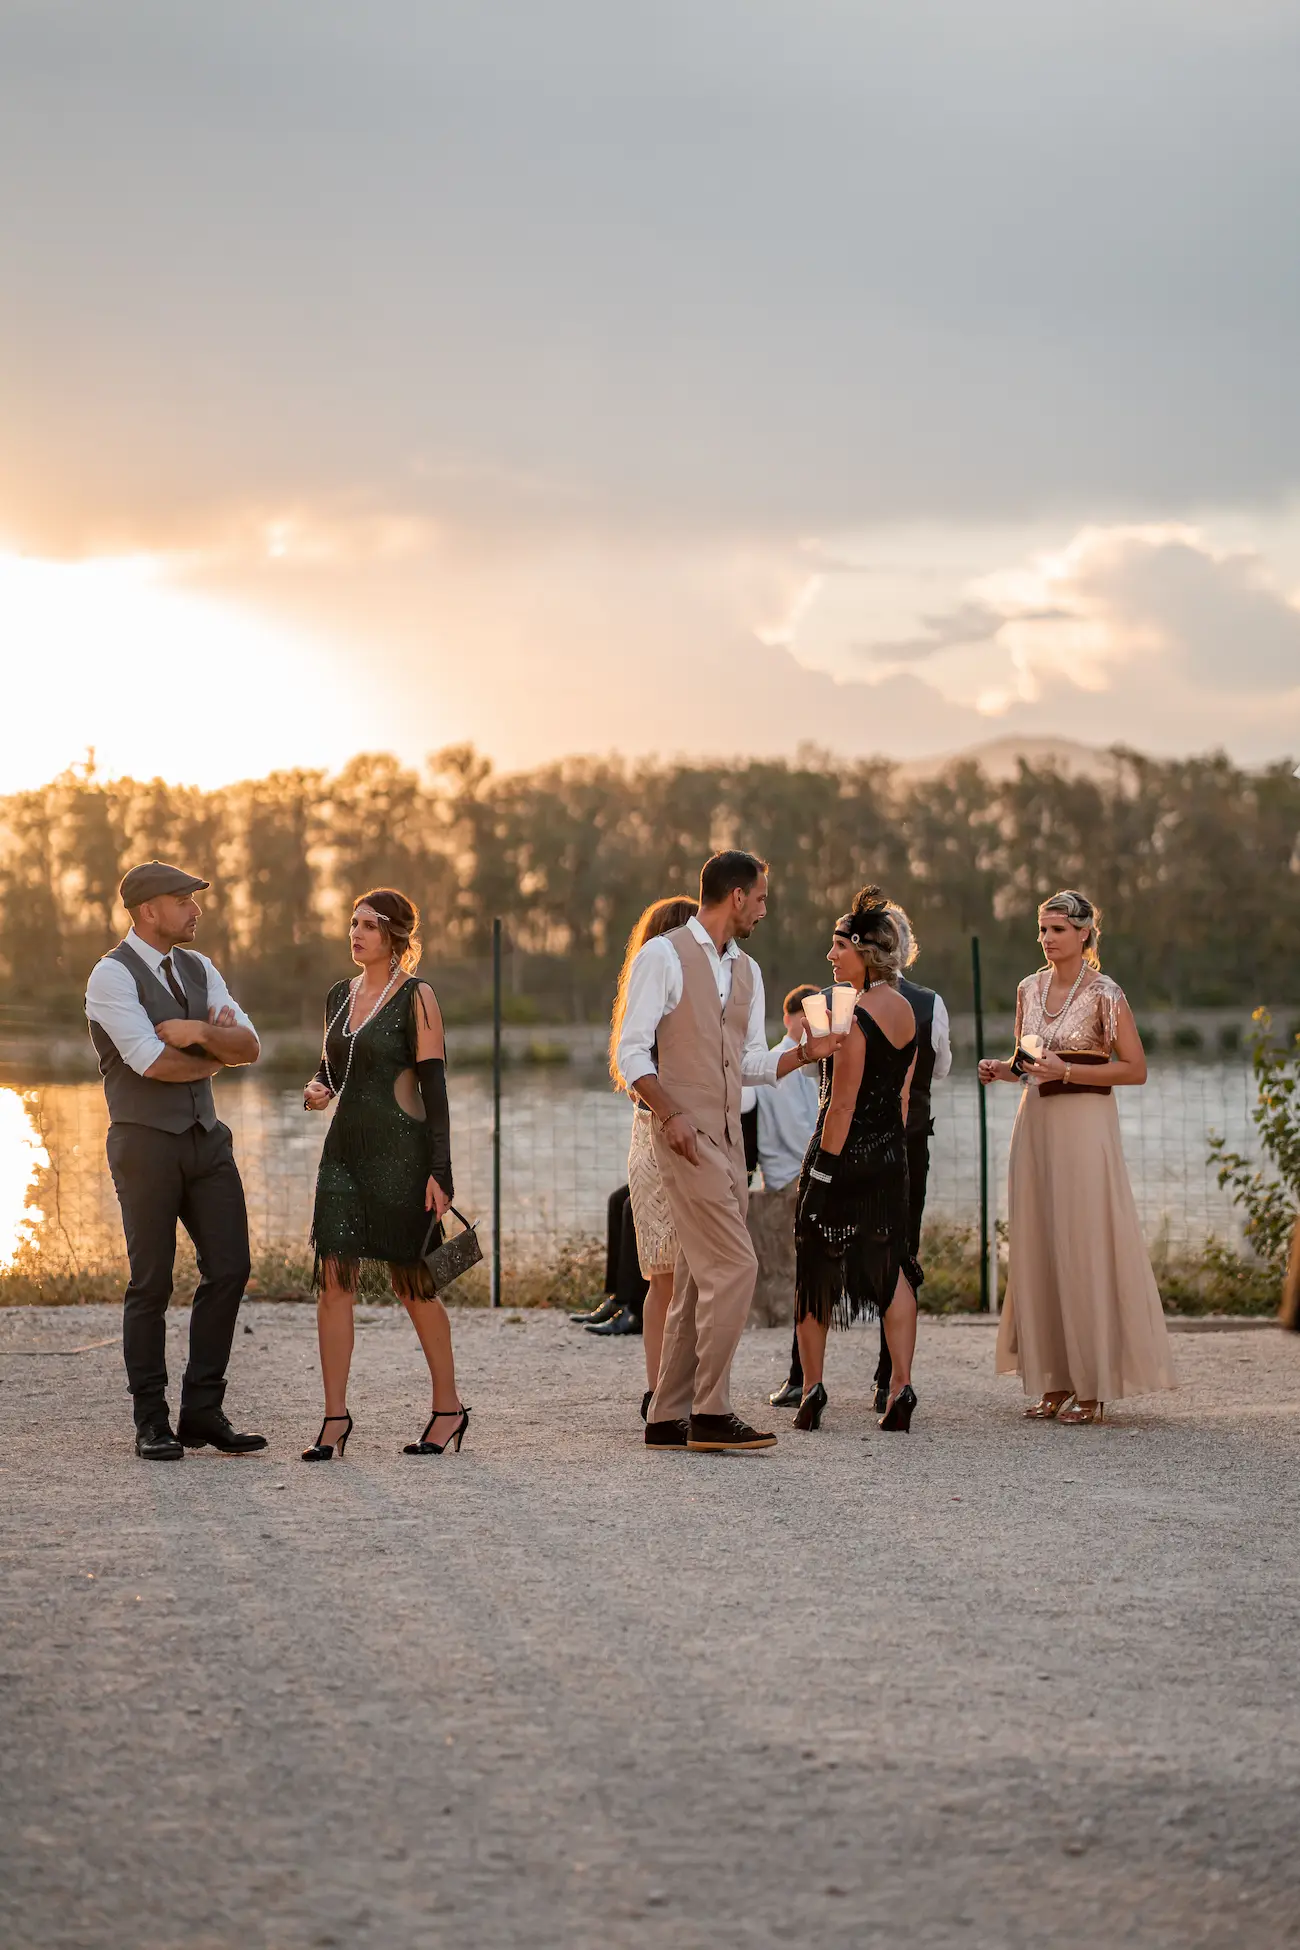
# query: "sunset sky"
{"type": "Point", "coordinates": [680, 376]}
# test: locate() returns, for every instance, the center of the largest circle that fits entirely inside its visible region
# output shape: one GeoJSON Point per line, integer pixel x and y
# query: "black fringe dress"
{"type": "Point", "coordinates": [374, 1169]}
{"type": "Point", "coordinates": [847, 1266]}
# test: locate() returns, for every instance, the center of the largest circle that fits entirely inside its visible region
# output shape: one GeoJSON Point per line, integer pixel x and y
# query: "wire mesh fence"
{"type": "Point", "coordinates": [564, 1139]}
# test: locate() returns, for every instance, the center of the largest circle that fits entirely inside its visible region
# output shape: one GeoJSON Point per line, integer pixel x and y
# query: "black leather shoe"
{"type": "Point", "coordinates": [623, 1322]}
{"type": "Point", "coordinates": [603, 1310]}
{"type": "Point", "coordinates": [810, 1408]}
{"type": "Point", "coordinates": [666, 1435]}
{"type": "Point", "coordinates": [726, 1432]}
{"type": "Point", "coordinates": [789, 1395]}
{"type": "Point", "coordinates": [154, 1441]}
{"type": "Point", "coordinates": [199, 1427]}
{"type": "Point", "coordinates": [646, 1400]}
{"type": "Point", "coordinates": [881, 1398]}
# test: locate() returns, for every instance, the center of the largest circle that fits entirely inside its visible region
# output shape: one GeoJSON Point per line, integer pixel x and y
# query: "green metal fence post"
{"type": "Point", "coordinates": [978, 994]}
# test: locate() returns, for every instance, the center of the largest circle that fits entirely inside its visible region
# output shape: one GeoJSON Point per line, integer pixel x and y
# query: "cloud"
{"type": "Point", "coordinates": [1159, 599]}
{"type": "Point", "coordinates": [510, 354]}
{"type": "Point", "coordinates": [777, 267]}
{"type": "Point", "coordinates": [968, 623]}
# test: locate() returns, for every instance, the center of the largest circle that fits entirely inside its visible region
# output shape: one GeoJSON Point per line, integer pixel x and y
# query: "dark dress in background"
{"type": "Point", "coordinates": [847, 1265]}
{"type": "Point", "coordinates": [374, 1169]}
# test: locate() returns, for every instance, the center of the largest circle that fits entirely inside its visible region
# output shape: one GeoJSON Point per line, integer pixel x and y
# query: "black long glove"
{"type": "Point", "coordinates": [431, 1075]}
{"type": "Point", "coordinates": [822, 1170]}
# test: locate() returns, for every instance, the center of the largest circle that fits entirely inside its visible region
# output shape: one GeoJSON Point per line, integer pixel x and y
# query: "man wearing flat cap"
{"type": "Point", "coordinates": [163, 1023]}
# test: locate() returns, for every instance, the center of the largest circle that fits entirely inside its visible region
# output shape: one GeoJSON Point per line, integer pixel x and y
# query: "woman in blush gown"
{"type": "Point", "coordinates": [1082, 1322]}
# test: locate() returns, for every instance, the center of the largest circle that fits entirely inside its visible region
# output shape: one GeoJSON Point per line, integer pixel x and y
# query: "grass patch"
{"type": "Point", "coordinates": [1216, 1280]}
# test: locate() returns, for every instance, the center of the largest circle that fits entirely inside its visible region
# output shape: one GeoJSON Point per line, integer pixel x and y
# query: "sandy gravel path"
{"type": "Point", "coordinates": [993, 1684]}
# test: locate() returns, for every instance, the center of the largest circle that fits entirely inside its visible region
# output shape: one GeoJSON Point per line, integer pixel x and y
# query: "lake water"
{"type": "Point", "coordinates": [564, 1147]}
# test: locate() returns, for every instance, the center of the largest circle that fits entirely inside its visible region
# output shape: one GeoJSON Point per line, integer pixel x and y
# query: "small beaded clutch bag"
{"type": "Point", "coordinates": [454, 1256]}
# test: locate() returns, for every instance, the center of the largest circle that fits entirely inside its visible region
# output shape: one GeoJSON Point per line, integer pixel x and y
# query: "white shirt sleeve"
{"type": "Point", "coordinates": [219, 996]}
{"type": "Point", "coordinates": [940, 1037]}
{"type": "Point", "coordinates": [758, 1062]}
{"type": "Point", "coordinates": [654, 987]}
{"type": "Point", "coordinates": [112, 1002]}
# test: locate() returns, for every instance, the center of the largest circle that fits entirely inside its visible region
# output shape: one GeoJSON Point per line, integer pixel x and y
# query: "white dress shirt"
{"type": "Point", "coordinates": [654, 989]}
{"type": "Point", "coordinates": [940, 1037]}
{"type": "Point", "coordinates": [113, 1001]}
{"type": "Point", "coordinates": [787, 1118]}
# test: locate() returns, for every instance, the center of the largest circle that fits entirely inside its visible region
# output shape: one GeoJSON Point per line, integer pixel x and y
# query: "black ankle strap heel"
{"type": "Point", "coordinates": [322, 1451]}
{"type": "Point", "coordinates": [426, 1448]}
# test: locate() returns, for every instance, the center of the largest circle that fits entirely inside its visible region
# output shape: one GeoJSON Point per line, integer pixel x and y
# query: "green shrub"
{"type": "Point", "coordinates": [1269, 1194]}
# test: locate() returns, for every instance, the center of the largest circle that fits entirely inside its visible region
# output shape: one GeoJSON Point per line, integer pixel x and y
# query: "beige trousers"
{"type": "Point", "coordinates": [713, 1280]}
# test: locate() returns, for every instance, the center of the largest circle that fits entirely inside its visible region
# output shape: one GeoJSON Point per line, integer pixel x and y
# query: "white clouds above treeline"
{"type": "Point", "coordinates": [514, 352]}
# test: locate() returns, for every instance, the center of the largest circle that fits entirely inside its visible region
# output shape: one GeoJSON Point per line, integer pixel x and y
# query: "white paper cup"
{"type": "Point", "coordinates": [843, 998]}
{"type": "Point", "coordinates": [816, 1015]}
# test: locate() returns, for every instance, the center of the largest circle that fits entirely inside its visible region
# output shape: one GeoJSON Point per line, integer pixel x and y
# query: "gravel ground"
{"type": "Point", "coordinates": [995, 1684]}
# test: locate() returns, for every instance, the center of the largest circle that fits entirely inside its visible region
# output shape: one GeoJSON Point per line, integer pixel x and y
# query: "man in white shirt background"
{"type": "Point", "coordinates": [163, 1024]}
{"type": "Point", "coordinates": [787, 1116]}
{"type": "Point", "coordinates": [693, 1035]}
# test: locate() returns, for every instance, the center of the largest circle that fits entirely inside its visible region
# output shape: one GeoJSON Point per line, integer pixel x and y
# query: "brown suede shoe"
{"type": "Point", "coordinates": [665, 1435]}
{"type": "Point", "coordinates": [726, 1432]}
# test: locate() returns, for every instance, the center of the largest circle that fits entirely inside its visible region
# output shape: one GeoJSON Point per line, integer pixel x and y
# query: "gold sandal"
{"type": "Point", "coordinates": [1047, 1407]}
{"type": "Point", "coordinates": [1080, 1414]}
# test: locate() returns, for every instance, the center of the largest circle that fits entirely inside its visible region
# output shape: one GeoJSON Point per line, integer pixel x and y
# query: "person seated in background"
{"type": "Point", "coordinates": [619, 1308]}
{"type": "Point", "coordinates": [749, 1128]}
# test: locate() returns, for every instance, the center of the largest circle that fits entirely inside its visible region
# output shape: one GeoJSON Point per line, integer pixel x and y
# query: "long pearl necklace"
{"type": "Point", "coordinates": [349, 1034]}
{"type": "Point", "coordinates": [1053, 1016]}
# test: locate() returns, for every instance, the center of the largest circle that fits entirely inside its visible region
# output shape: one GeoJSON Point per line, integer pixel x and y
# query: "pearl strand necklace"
{"type": "Point", "coordinates": [350, 1035]}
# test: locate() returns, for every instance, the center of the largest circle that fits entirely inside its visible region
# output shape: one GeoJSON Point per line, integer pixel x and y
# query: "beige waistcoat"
{"type": "Point", "coordinates": [700, 1045]}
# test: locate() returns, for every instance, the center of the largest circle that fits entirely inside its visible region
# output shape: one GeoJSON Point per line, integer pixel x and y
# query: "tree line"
{"type": "Point", "coordinates": [1195, 862]}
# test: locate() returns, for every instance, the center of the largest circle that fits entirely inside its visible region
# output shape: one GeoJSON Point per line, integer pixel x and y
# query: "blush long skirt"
{"type": "Point", "coordinates": [1082, 1309]}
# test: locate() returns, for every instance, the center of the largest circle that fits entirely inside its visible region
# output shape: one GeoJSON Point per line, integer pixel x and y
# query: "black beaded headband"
{"type": "Point", "coordinates": [849, 924]}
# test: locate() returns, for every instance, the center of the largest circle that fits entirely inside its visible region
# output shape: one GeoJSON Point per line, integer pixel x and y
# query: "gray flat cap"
{"type": "Point", "coordinates": [155, 877]}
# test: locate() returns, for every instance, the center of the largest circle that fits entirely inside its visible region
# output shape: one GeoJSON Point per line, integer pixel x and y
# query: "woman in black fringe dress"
{"type": "Point", "coordinates": [385, 1171]}
{"type": "Point", "coordinates": [851, 1218]}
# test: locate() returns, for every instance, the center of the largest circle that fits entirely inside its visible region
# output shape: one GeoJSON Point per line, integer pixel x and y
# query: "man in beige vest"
{"type": "Point", "coordinates": [693, 1034]}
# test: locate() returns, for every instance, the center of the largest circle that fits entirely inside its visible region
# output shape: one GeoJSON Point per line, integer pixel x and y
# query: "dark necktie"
{"type": "Point", "coordinates": [170, 974]}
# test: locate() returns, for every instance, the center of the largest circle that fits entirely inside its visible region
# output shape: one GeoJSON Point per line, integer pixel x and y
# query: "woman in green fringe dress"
{"type": "Point", "coordinates": [385, 1171]}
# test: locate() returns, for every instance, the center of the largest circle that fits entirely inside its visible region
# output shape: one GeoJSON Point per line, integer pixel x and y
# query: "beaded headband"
{"type": "Point", "coordinates": [853, 926]}
{"type": "Point", "coordinates": [394, 929]}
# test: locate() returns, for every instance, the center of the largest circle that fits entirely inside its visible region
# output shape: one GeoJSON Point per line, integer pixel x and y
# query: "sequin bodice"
{"type": "Point", "coordinates": [1089, 1024]}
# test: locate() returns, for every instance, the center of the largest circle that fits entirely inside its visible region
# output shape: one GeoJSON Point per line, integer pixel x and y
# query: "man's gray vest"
{"type": "Point", "coordinates": [918, 1100]}
{"type": "Point", "coordinates": [133, 1099]}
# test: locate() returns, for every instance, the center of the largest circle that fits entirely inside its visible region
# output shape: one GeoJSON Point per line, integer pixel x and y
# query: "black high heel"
{"type": "Point", "coordinates": [321, 1451]}
{"type": "Point", "coordinates": [810, 1408]}
{"type": "Point", "coordinates": [897, 1418]}
{"type": "Point", "coordinates": [426, 1448]}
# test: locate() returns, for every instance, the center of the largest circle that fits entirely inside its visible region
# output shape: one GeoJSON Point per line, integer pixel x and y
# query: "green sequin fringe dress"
{"type": "Point", "coordinates": [374, 1169]}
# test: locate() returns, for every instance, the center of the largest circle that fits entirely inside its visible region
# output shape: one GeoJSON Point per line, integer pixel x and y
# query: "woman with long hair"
{"type": "Point", "coordinates": [1082, 1322]}
{"type": "Point", "coordinates": [385, 1173]}
{"type": "Point", "coordinates": [852, 1252]}
{"type": "Point", "coordinates": [656, 1238]}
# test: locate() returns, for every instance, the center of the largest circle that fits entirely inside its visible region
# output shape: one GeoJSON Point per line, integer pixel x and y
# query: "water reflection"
{"type": "Point", "coordinates": [564, 1148]}
{"type": "Point", "coordinates": [23, 1158]}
